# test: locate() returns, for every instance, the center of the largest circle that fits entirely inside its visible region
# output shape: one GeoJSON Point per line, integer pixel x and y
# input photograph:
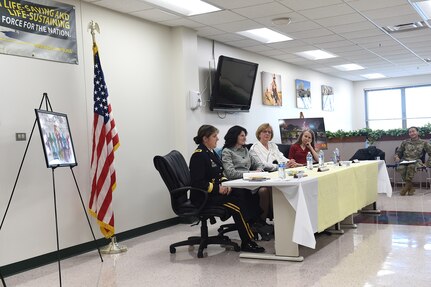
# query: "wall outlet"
{"type": "Point", "coordinates": [195, 100]}
{"type": "Point", "coordinates": [20, 136]}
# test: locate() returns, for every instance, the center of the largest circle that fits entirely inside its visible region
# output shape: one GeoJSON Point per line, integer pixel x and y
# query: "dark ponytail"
{"type": "Point", "coordinates": [204, 131]}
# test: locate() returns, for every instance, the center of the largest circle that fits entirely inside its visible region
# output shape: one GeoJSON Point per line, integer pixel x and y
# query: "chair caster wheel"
{"type": "Point", "coordinates": [237, 248]}
{"type": "Point", "coordinates": [172, 250]}
{"type": "Point", "coordinates": [200, 254]}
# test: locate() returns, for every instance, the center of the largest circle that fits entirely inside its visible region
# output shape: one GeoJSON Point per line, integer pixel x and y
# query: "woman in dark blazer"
{"type": "Point", "coordinates": [206, 170]}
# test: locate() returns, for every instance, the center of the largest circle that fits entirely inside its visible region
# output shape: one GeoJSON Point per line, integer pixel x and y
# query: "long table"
{"type": "Point", "coordinates": [304, 206]}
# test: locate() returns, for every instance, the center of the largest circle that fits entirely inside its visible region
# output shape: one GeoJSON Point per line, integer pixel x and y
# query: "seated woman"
{"type": "Point", "coordinates": [237, 161]}
{"type": "Point", "coordinates": [206, 172]}
{"type": "Point", "coordinates": [304, 144]}
{"type": "Point", "coordinates": [266, 151]}
{"type": "Point", "coordinates": [411, 149]}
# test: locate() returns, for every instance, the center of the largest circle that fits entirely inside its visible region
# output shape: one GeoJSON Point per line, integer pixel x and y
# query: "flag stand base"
{"type": "Point", "coordinates": [113, 247]}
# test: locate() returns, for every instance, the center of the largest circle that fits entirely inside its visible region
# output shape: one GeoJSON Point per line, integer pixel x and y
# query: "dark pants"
{"type": "Point", "coordinates": [250, 200]}
{"type": "Point", "coordinates": [236, 208]}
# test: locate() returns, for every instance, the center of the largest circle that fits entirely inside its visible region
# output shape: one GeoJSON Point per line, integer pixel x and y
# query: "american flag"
{"type": "Point", "coordinates": [105, 143]}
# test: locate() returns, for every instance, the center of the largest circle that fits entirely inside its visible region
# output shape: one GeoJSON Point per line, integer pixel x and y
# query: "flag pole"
{"type": "Point", "coordinates": [113, 247]}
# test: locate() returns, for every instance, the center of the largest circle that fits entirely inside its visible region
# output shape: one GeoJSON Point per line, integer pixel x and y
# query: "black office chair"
{"type": "Point", "coordinates": [175, 173]}
{"type": "Point", "coordinates": [369, 153]}
{"type": "Point", "coordinates": [284, 149]}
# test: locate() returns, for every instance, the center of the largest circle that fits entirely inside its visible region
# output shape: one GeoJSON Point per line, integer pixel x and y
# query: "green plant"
{"type": "Point", "coordinates": [375, 135]}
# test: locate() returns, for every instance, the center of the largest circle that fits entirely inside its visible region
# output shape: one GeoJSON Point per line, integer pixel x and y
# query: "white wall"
{"type": "Point", "coordinates": [359, 96]}
{"type": "Point", "coordinates": [137, 58]}
{"type": "Point", "coordinates": [339, 119]}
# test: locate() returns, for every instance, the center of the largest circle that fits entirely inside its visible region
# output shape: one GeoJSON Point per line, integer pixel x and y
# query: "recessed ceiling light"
{"type": "Point", "coordinates": [374, 76]}
{"type": "Point", "coordinates": [265, 35]}
{"type": "Point", "coordinates": [188, 8]}
{"type": "Point", "coordinates": [348, 67]}
{"type": "Point", "coordinates": [316, 55]}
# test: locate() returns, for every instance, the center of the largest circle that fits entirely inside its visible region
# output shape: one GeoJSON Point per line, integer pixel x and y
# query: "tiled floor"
{"type": "Point", "coordinates": [374, 254]}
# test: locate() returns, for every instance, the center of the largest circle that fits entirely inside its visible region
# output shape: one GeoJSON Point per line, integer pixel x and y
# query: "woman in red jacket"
{"type": "Point", "coordinates": [304, 144]}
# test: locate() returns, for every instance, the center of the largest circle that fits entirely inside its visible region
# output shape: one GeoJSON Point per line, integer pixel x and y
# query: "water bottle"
{"type": "Point", "coordinates": [281, 173]}
{"type": "Point", "coordinates": [336, 155]}
{"type": "Point", "coordinates": [309, 161]}
{"type": "Point", "coordinates": [321, 158]}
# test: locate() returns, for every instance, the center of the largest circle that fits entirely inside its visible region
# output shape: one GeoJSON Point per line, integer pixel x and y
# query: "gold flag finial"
{"type": "Point", "coordinates": [93, 26]}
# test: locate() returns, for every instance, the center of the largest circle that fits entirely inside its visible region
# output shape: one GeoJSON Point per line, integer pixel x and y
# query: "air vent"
{"type": "Point", "coordinates": [406, 27]}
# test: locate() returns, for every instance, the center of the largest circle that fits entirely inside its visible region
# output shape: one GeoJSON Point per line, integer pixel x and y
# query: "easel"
{"type": "Point", "coordinates": [48, 104]}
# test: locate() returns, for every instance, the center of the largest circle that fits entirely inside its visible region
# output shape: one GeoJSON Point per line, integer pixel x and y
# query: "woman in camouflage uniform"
{"type": "Point", "coordinates": [412, 149]}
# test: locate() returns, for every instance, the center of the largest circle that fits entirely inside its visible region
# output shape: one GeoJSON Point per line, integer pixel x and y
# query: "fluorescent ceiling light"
{"type": "Point", "coordinates": [265, 35]}
{"type": "Point", "coordinates": [374, 76]}
{"type": "Point", "coordinates": [348, 67]}
{"type": "Point", "coordinates": [316, 55]}
{"type": "Point", "coordinates": [188, 8]}
{"type": "Point", "coordinates": [423, 7]}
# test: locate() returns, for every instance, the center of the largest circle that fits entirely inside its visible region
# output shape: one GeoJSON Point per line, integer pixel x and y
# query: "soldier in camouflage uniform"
{"type": "Point", "coordinates": [411, 150]}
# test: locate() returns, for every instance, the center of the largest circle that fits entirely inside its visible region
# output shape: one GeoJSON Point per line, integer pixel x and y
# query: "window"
{"type": "Point", "coordinates": [397, 107]}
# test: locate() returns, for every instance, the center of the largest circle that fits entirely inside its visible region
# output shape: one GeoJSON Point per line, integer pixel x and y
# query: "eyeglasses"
{"type": "Point", "coordinates": [267, 132]}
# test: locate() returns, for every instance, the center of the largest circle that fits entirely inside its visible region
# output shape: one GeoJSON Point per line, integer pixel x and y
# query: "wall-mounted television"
{"type": "Point", "coordinates": [233, 85]}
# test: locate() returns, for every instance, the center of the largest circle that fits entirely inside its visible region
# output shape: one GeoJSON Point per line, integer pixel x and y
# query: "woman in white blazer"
{"type": "Point", "coordinates": [267, 152]}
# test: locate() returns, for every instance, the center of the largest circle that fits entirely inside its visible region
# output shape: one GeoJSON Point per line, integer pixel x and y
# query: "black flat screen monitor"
{"type": "Point", "coordinates": [56, 139]}
{"type": "Point", "coordinates": [233, 85]}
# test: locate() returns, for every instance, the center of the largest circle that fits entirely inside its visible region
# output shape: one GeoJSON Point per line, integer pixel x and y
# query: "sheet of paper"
{"type": "Point", "coordinates": [407, 161]}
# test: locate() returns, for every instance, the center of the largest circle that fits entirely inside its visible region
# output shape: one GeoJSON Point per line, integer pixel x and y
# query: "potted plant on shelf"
{"type": "Point", "coordinates": [375, 135]}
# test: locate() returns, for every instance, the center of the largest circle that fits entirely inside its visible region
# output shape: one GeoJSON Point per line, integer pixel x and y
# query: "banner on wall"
{"type": "Point", "coordinates": [41, 29]}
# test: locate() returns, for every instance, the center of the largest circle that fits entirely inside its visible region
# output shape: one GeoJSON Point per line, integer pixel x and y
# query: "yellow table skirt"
{"type": "Point", "coordinates": [342, 191]}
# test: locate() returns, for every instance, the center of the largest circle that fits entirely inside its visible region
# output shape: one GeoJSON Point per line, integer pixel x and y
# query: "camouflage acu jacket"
{"type": "Point", "coordinates": [413, 150]}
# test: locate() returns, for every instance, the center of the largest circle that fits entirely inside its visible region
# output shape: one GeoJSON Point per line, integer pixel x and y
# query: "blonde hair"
{"type": "Point", "coordinates": [263, 127]}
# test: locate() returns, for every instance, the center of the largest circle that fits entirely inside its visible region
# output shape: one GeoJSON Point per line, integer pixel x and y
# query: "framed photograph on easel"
{"type": "Point", "coordinates": [56, 139]}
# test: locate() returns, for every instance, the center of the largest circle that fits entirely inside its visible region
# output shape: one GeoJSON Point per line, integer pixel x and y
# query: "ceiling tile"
{"type": "Point", "coordinates": [258, 48]}
{"type": "Point", "coordinates": [264, 10]}
{"type": "Point", "coordinates": [155, 15]}
{"type": "Point", "coordinates": [352, 28]}
{"type": "Point", "coordinates": [310, 33]}
{"type": "Point", "coordinates": [366, 5]}
{"type": "Point", "coordinates": [362, 34]}
{"type": "Point", "coordinates": [394, 11]}
{"type": "Point", "coordinates": [299, 5]}
{"type": "Point", "coordinates": [208, 31]}
{"type": "Point", "coordinates": [182, 22]}
{"type": "Point", "coordinates": [229, 4]}
{"type": "Point", "coordinates": [294, 16]}
{"type": "Point", "coordinates": [341, 20]}
{"type": "Point", "coordinates": [287, 44]}
{"type": "Point", "coordinates": [218, 17]}
{"type": "Point", "coordinates": [397, 20]}
{"type": "Point", "coordinates": [327, 11]}
{"type": "Point", "coordinates": [227, 37]}
{"type": "Point", "coordinates": [125, 7]}
{"type": "Point", "coordinates": [238, 26]}
{"type": "Point", "coordinates": [325, 39]}
{"type": "Point", "coordinates": [243, 43]}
